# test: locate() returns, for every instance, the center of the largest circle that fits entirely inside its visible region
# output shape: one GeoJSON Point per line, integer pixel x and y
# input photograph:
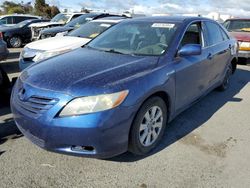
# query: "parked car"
{"type": "Point", "coordinates": [10, 20]}
{"type": "Point", "coordinates": [119, 92]}
{"type": "Point", "coordinates": [4, 52]}
{"type": "Point", "coordinates": [74, 24]}
{"type": "Point", "coordinates": [19, 34]}
{"type": "Point", "coordinates": [43, 49]}
{"type": "Point", "coordinates": [240, 29]}
{"type": "Point", "coordinates": [4, 80]}
{"type": "Point", "coordinates": [59, 20]}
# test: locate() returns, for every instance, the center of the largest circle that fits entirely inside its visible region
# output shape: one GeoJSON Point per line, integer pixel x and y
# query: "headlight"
{"type": "Point", "coordinates": [29, 53]}
{"type": "Point", "coordinates": [244, 45]}
{"type": "Point", "coordinates": [61, 34]}
{"type": "Point", "coordinates": [46, 55]}
{"type": "Point", "coordinates": [85, 105]}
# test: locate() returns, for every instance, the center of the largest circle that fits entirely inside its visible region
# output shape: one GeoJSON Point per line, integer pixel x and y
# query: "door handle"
{"type": "Point", "coordinates": [210, 56]}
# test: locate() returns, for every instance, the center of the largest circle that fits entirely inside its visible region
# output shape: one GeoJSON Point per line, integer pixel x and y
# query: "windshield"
{"type": "Point", "coordinates": [60, 18]}
{"type": "Point", "coordinates": [91, 30]}
{"type": "Point", "coordinates": [237, 25]}
{"type": "Point", "coordinates": [80, 20]}
{"type": "Point", "coordinates": [141, 38]}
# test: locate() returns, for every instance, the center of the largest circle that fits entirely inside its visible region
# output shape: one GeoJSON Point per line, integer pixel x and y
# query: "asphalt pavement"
{"type": "Point", "coordinates": [205, 146]}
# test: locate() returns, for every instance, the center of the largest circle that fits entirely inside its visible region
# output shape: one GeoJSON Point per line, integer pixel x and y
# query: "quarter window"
{"type": "Point", "coordinates": [214, 33]}
{"type": "Point", "coordinates": [224, 35]}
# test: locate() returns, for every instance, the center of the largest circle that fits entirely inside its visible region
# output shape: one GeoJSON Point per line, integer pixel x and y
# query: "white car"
{"type": "Point", "coordinates": [43, 49]}
{"type": "Point", "coordinates": [59, 20]}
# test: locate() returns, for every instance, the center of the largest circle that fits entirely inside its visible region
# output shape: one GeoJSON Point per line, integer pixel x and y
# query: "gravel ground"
{"type": "Point", "coordinates": [206, 146]}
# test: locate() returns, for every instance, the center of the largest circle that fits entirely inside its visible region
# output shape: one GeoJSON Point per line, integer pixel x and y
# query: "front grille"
{"type": "Point", "coordinates": [44, 36]}
{"type": "Point", "coordinates": [36, 32]}
{"type": "Point", "coordinates": [36, 105]}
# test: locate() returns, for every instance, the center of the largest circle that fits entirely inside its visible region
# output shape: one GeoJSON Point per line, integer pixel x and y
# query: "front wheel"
{"type": "Point", "coordinates": [148, 127]}
{"type": "Point", "coordinates": [15, 42]}
{"type": "Point", "coordinates": [226, 80]}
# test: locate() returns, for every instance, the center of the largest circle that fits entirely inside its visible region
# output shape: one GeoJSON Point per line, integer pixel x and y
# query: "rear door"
{"type": "Point", "coordinates": [192, 72]}
{"type": "Point", "coordinates": [220, 44]}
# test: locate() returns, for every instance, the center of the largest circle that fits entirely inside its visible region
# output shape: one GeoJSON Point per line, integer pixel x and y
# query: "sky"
{"type": "Point", "coordinates": [231, 7]}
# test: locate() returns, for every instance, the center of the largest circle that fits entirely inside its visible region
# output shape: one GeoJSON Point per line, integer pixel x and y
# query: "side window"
{"type": "Point", "coordinates": [193, 35]}
{"type": "Point", "coordinates": [226, 24]}
{"type": "Point", "coordinates": [18, 19]}
{"type": "Point", "coordinates": [214, 34]}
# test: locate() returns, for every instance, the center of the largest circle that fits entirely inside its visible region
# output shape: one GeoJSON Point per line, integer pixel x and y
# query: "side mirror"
{"type": "Point", "coordinates": [190, 49]}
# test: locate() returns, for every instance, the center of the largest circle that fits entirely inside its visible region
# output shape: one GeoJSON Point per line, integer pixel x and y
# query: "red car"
{"type": "Point", "coordinates": [240, 29]}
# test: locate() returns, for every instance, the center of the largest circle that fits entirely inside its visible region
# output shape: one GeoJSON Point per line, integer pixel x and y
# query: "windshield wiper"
{"type": "Point", "coordinates": [113, 51]}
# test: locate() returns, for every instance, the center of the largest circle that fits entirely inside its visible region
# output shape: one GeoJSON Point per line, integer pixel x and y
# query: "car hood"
{"type": "Point", "coordinates": [56, 30]}
{"type": "Point", "coordinates": [45, 24]}
{"type": "Point", "coordinates": [85, 72]}
{"type": "Point", "coordinates": [58, 43]}
{"type": "Point", "coordinates": [241, 36]}
{"type": "Point", "coordinates": [8, 28]}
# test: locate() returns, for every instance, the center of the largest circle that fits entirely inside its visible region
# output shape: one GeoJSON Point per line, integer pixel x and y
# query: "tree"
{"type": "Point", "coordinates": [54, 11]}
{"type": "Point", "coordinates": [40, 5]}
{"type": "Point", "coordinates": [43, 9]}
{"type": "Point", "coordinates": [11, 7]}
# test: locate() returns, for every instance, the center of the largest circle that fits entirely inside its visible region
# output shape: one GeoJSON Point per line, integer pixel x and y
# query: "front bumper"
{"type": "Point", "coordinates": [244, 54]}
{"type": "Point", "coordinates": [106, 132]}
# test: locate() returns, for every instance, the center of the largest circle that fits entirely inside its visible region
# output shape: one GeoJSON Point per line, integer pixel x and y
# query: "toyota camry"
{"type": "Point", "coordinates": [119, 92]}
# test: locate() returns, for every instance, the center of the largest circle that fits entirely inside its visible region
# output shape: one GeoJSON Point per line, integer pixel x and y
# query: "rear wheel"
{"type": "Point", "coordinates": [15, 42]}
{"type": "Point", "coordinates": [148, 127]}
{"type": "Point", "coordinates": [226, 81]}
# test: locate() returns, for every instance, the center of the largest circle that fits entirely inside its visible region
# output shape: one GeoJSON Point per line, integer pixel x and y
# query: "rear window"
{"type": "Point", "coordinates": [7, 20]}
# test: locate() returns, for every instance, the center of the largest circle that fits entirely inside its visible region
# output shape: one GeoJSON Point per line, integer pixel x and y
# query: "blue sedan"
{"type": "Point", "coordinates": [119, 92]}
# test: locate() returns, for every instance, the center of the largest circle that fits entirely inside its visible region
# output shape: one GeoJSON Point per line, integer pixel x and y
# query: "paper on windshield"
{"type": "Point", "coordinates": [163, 25]}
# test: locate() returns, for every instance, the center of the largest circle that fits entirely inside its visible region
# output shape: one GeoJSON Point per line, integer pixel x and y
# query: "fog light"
{"type": "Point", "coordinates": [83, 148]}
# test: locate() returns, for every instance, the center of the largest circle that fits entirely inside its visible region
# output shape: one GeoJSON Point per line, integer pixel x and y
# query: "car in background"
{"type": "Point", "coordinates": [74, 24]}
{"type": "Point", "coordinates": [240, 29]}
{"type": "Point", "coordinates": [119, 91]}
{"type": "Point", "coordinates": [19, 34]}
{"type": "Point", "coordinates": [4, 80]}
{"type": "Point", "coordinates": [4, 52]}
{"type": "Point", "coordinates": [43, 49]}
{"type": "Point", "coordinates": [59, 20]}
{"type": "Point", "coordinates": [10, 20]}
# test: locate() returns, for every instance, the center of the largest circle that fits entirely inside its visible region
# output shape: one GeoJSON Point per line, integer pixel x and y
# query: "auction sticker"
{"type": "Point", "coordinates": [163, 25]}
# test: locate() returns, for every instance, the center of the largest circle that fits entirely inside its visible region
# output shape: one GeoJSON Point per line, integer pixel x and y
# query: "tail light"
{"type": "Point", "coordinates": [1, 35]}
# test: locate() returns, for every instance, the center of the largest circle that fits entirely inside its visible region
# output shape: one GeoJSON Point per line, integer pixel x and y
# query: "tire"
{"type": "Point", "coordinates": [4, 87]}
{"type": "Point", "coordinates": [143, 125]}
{"type": "Point", "coordinates": [15, 42]}
{"type": "Point", "coordinates": [226, 81]}
{"type": "Point", "coordinates": [4, 80]}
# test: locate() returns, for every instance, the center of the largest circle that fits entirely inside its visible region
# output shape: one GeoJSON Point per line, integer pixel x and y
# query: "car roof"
{"type": "Point", "coordinates": [110, 19]}
{"type": "Point", "coordinates": [238, 19]}
{"type": "Point", "coordinates": [169, 19]}
{"type": "Point", "coordinates": [23, 15]}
